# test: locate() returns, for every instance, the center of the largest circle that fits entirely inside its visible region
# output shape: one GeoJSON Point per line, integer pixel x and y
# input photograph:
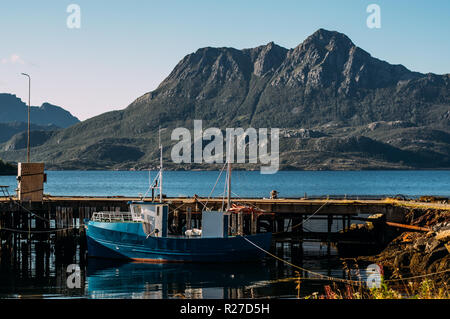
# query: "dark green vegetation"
{"type": "Point", "coordinates": [7, 169]}
{"type": "Point", "coordinates": [338, 108]}
{"type": "Point", "coordinates": [8, 130]}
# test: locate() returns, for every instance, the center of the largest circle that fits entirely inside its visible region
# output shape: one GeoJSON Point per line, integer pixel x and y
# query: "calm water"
{"type": "Point", "coordinates": [41, 274]}
{"type": "Point", "coordinates": [35, 271]}
{"type": "Point", "coordinates": [247, 184]}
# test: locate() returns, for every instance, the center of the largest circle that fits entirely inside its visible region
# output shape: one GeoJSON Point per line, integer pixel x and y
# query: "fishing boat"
{"type": "Point", "coordinates": [142, 234]}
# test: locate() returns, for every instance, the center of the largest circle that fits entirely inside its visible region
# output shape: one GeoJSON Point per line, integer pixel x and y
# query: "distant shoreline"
{"type": "Point", "coordinates": [250, 170]}
{"type": "Point", "coordinates": [8, 173]}
{"type": "Point", "coordinates": [7, 169]}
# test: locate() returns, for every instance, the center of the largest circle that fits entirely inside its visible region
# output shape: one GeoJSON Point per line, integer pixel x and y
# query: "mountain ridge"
{"type": "Point", "coordinates": [13, 109]}
{"type": "Point", "coordinates": [325, 84]}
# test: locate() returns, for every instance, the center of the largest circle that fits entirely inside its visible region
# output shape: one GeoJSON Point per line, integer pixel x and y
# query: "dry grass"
{"type": "Point", "coordinates": [425, 289]}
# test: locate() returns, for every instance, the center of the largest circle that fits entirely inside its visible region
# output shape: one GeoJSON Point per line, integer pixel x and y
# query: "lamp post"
{"type": "Point", "coordinates": [29, 92]}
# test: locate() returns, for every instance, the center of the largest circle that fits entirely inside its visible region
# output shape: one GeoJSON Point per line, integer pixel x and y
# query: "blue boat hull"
{"type": "Point", "coordinates": [128, 241]}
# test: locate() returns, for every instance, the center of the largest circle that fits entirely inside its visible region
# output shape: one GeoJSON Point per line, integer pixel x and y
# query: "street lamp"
{"type": "Point", "coordinates": [29, 90]}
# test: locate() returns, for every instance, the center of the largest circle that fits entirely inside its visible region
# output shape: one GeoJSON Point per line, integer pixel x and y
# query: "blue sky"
{"type": "Point", "coordinates": [126, 48]}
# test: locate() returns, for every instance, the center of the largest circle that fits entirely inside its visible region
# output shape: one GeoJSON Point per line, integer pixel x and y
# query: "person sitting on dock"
{"type": "Point", "coordinates": [273, 194]}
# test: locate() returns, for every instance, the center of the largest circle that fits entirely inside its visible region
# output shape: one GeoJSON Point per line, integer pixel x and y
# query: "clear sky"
{"type": "Point", "coordinates": [124, 49]}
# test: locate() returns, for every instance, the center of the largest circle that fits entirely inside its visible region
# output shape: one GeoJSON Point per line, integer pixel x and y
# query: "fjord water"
{"type": "Point", "coordinates": [41, 274]}
{"type": "Point", "coordinates": [247, 183]}
{"type": "Point", "coordinates": [37, 272]}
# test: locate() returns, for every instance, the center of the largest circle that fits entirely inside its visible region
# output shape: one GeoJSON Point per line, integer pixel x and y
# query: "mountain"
{"type": "Point", "coordinates": [8, 130]}
{"type": "Point", "coordinates": [14, 119]}
{"type": "Point", "coordinates": [13, 109]}
{"type": "Point", "coordinates": [337, 106]}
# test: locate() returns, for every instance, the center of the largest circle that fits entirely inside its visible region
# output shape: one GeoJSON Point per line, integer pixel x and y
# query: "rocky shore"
{"type": "Point", "coordinates": [418, 253]}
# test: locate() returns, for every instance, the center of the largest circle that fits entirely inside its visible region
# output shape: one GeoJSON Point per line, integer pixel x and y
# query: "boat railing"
{"type": "Point", "coordinates": [112, 217]}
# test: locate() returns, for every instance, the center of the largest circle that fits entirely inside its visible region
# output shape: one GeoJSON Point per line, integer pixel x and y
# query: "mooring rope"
{"type": "Point", "coordinates": [353, 282]}
{"type": "Point", "coordinates": [303, 221]}
{"type": "Point", "coordinates": [38, 231]}
{"type": "Point", "coordinates": [178, 207]}
{"type": "Point", "coordinates": [30, 212]}
{"type": "Point", "coordinates": [418, 276]}
{"type": "Point", "coordinates": [329, 278]}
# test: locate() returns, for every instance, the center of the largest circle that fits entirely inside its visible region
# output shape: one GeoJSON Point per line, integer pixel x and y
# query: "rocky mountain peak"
{"type": "Point", "coordinates": [266, 58]}
{"type": "Point", "coordinates": [331, 59]}
{"type": "Point", "coordinates": [331, 40]}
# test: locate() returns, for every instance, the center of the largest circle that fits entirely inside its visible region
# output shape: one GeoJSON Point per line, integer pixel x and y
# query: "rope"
{"type": "Point", "coordinates": [419, 276]}
{"type": "Point", "coordinates": [33, 214]}
{"type": "Point", "coordinates": [204, 205]}
{"type": "Point", "coordinates": [352, 282]}
{"type": "Point", "coordinates": [217, 180]}
{"type": "Point", "coordinates": [176, 208]}
{"type": "Point", "coordinates": [151, 184]}
{"type": "Point", "coordinates": [29, 231]}
{"type": "Point", "coordinates": [245, 203]}
{"type": "Point", "coordinates": [281, 280]}
{"type": "Point", "coordinates": [224, 191]}
{"type": "Point", "coordinates": [38, 231]}
{"type": "Point", "coordinates": [303, 221]}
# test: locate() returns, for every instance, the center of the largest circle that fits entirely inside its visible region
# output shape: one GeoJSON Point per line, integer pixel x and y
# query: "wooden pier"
{"type": "Point", "coordinates": [57, 222]}
{"type": "Point", "coordinates": [63, 213]}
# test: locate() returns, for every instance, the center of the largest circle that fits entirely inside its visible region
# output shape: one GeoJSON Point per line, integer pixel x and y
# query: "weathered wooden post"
{"type": "Point", "coordinates": [280, 224]}
{"type": "Point", "coordinates": [189, 218]}
{"type": "Point", "coordinates": [253, 223]}
{"type": "Point", "coordinates": [330, 223]}
{"type": "Point", "coordinates": [233, 223]}
{"type": "Point", "coordinates": [176, 219]}
{"type": "Point", "coordinates": [240, 226]}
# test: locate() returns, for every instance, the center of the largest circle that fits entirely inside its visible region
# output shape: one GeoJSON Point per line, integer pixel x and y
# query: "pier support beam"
{"type": "Point", "coordinates": [240, 225]}
{"type": "Point", "coordinates": [253, 224]}
{"type": "Point", "coordinates": [330, 223]}
{"type": "Point", "coordinates": [189, 218]}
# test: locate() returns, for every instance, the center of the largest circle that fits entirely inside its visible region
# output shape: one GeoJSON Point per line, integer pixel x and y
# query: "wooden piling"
{"type": "Point", "coordinates": [240, 225]}
{"type": "Point", "coordinates": [189, 218]}
{"type": "Point", "coordinates": [253, 223]}
{"type": "Point", "coordinates": [330, 224]}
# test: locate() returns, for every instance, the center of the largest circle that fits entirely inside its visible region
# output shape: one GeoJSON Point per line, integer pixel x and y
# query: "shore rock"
{"type": "Point", "coordinates": [419, 253]}
{"type": "Point", "coordinates": [443, 236]}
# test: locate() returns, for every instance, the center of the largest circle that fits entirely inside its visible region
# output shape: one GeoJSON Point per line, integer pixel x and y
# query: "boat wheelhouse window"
{"type": "Point", "coordinates": [136, 213]}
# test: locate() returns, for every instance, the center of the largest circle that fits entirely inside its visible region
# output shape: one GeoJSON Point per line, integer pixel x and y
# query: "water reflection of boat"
{"type": "Point", "coordinates": [143, 235]}
{"type": "Point", "coordinates": [109, 278]}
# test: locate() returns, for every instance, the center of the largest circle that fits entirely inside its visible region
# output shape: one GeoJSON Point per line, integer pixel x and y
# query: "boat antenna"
{"type": "Point", "coordinates": [157, 182]}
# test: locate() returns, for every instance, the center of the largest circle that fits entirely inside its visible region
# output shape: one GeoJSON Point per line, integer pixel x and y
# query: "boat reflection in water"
{"type": "Point", "coordinates": [116, 279]}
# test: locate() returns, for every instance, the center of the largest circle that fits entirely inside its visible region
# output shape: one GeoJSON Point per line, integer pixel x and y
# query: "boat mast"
{"type": "Point", "coordinates": [229, 183]}
{"type": "Point", "coordinates": [160, 168]}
